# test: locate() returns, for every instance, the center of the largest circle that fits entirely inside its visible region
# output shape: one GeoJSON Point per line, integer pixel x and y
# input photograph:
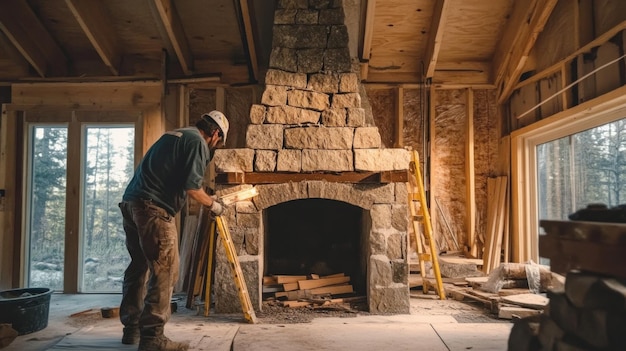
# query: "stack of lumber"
{"type": "Point", "coordinates": [496, 244]}
{"type": "Point", "coordinates": [308, 290]}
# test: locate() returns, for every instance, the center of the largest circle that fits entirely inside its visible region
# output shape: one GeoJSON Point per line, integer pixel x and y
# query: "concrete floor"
{"type": "Point", "coordinates": [432, 325]}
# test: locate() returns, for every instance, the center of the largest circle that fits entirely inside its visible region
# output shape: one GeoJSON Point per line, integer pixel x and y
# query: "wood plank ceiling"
{"type": "Point", "coordinates": [445, 42]}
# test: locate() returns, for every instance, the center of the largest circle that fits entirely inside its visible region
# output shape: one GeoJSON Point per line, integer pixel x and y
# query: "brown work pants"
{"type": "Point", "coordinates": [152, 242]}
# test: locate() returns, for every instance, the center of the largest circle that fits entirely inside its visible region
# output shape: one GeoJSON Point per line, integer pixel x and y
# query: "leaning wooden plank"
{"type": "Point", "coordinates": [282, 279]}
{"type": "Point", "coordinates": [239, 196]}
{"type": "Point", "coordinates": [311, 284]}
{"type": "Point", "coordinates": [535, 301]}
{"type": "Point", "coordinates": [333, 290]}
{"type": "Point", "coordinates": [514, 312]}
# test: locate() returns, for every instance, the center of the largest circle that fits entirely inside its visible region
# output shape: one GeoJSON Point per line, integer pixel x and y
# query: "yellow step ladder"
{"type": "Point", "coordinates": [420, 216]}
{"type": "Point", "coordinates": [220, 225]}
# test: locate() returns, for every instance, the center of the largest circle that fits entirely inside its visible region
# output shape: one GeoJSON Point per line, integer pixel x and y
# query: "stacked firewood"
{"type": "Point", "coordinates": [309, 290]}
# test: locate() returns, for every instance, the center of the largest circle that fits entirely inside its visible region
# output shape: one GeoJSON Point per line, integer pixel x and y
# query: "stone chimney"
{"type": "Point", "coordinates": [310, 123]}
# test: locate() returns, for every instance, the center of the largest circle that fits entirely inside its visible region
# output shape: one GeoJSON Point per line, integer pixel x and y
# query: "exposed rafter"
{"type": "Point", "coordinates": [367, 37]}
{"type": "Point", "coordinates": [93, 19]}
{"type": "Point", "coordinates": [172, 26]}
{"type": "Point", "coordinates": [246, 19]}
{"type": "Point", "coordinates": [20, 24]}
{"type": "Point", "coordinates": [436, 34]}
{"type": "Point", "coordinates": [527, 21]}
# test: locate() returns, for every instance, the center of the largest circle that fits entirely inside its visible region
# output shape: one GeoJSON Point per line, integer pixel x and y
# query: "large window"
{"type": "Point", "coordinates": [580, 169]}
{"type": "Point", "coordinates": [565, 162]}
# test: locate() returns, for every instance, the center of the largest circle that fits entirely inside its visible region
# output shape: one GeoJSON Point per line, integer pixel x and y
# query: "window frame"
{"type": "Point", "coordinates": [525, 232]}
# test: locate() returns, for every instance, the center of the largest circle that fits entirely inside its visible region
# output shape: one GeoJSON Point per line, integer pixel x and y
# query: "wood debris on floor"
{"type": "Point", "coordinates": [331, 291]}
{"type": "Point", "coordinates": [508, 292]}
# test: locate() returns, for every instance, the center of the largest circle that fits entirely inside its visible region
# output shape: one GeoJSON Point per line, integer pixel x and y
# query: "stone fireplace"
{"type": "Point", "coordinates": [331, 198]}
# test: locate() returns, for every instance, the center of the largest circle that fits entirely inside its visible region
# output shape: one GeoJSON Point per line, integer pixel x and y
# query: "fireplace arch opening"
{"type": "Point", "coordinates": [317, 236]}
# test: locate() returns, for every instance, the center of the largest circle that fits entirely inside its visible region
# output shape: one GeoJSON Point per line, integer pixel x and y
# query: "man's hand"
{"type": "Point", "coordinates": [217, 207]}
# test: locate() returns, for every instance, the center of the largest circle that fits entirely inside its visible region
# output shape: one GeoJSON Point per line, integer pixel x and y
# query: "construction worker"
{"type": "Point", "coordinates": [172, 169]}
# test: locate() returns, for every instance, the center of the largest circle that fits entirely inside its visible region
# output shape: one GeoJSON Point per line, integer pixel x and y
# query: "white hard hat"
{"type": "Point", "coordinates": [221, 121]}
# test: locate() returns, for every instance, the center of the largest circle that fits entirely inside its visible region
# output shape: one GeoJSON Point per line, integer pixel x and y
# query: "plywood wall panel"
{"type": "Point", "coordinates": [238, 102]}
{"type": "Point", "coordinates": [413, 132]}
{"type": "Point", "coordinates": [382, 103]}
{"type": "Point", "coordinates": [448, 163]}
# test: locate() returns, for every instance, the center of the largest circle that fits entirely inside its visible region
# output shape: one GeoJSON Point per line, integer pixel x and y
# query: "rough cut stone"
{"type": "Point", "coordinates": [381, 216]}
{"type": "Point", "coordinates": [366, 138]}
{"type": "Point", "coordinates": [381, 193]}
{"type": "Point", "coordinates": [245, 206]}
{"type": "Point", "coordinates": [233, 160]}
{"type": "Point", "coordinates": [378, 244]}
{"type": "Point", "coordinates": [394, 299]}
{"type": "Point", "coordinates": [381, 159]}
{"type": "Point", "coordinates": [307, 17]}
{"type": "Point", "coordinates": [300, 36]}
{"type": "Point", "coordinates": [348, 83]}
{"type": "Point", "coordinates": [319, 138]}
{"type": "Point", "coordinates": [341, 192]}
{"type": "Point", "coordinates": [289, 160]}
{"type": "Point", "coordinates": [380, 271]}
{"type": "Point", "coordinates": [400, 268]}
{"type": "Point", "coordinates": [395, 246]}
{"type": "Point", "coordinates": [310, 60]}
{"type": "Point", "coordinates": [308, 99]}
{"type": "Point", "coordinates": [292, 4]}
{"type": "Point", "coordinates": [248, 220]}
{"type": "Point", "coordinates": [285, 16]}
{"type": "Point", "coordinates": [334, 117]}
{"type": "Point", "coordinates": [332, 16]}
{"type": "Point", "coordinates": [327, 160]}
{"type": "Point", "coordinates": [346, 100]}
{"type": "Point", "coordinates": [284, 58]}
{"type": "Point", "coordinates": [265, 136]}
{"type": "Point", "coordinates": [337, 60]}
{"type": "Point", "coordinates": [265, 161]}
{"type": "Point", "coordinates": [399, 220]}
{"type": "Point", "coordinates": [338, 37]}
{"type": "Point", "coordinates": [356, 117]}
{"type": "Point", "coordinates": [323, 83]}
{"type": "Point", "coordinates": [291, 115]}
{"type": "Point", "coordinates": [319, 4]}
{"type": "Point", "coordinates": [274, 95]}
{"type": "Point", "coordinates": [257, 114]}
{"type": "Point", "coordinates": [288, 79]}
{"type": "Point", "coordinates": [272, 194]}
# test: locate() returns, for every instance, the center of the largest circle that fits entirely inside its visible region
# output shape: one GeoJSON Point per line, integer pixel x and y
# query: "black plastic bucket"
{"type": "Point", "coordinates": [26, 309]}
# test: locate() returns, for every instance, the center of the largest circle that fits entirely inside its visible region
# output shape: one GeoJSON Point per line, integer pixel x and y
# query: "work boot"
{"type": "Point", "coordinates": [161, 343]}
{"type": "Point", "coordinates": [131, 335]}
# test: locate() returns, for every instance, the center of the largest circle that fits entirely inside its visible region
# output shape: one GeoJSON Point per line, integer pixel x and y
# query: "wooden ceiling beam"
{"type": "Point", "coordinates": [437, 26]}
{"type": "Point", "coordinates": [26, 32]}
{"type": "Point", "coordinates": [93, 19]}
{"type": "Point", "coordinates": [368, 33]}
{"type": "Point", "coordinates": [171, 25]}
{"type": "Point", "coordinates": [525, 24]}
{"type": "Point", "coordinates": [246, 18]}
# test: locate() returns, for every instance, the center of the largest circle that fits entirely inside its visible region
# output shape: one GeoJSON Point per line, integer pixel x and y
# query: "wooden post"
{"type": "Point", "coordinates": [470, 195]}
{"type": "Point", "coordinates": [399, 107]}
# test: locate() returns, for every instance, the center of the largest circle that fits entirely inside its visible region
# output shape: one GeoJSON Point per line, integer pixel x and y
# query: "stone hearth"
{"type": "Point", "coordinates": [310, 139]}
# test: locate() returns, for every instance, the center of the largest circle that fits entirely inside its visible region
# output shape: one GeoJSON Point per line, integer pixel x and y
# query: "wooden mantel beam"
{"type": "Point", "coordinates": [26, 32]}
{"type": "Point", "coordinates": [526, 22]}
{"type": "Point", "coordinates": [93, 19]}
{"type": "Point", "coordinates": [278, 177]}
{"type": "Point", "coordinates": [171, 24]}
{"type": "Point", "coordinates": [437, 26]}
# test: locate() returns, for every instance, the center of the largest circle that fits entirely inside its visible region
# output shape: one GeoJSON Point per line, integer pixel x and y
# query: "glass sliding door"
{"type": "Point", "coordinates": [45, 205]}
{"type": "Point", "coordinates": [108, 165]}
